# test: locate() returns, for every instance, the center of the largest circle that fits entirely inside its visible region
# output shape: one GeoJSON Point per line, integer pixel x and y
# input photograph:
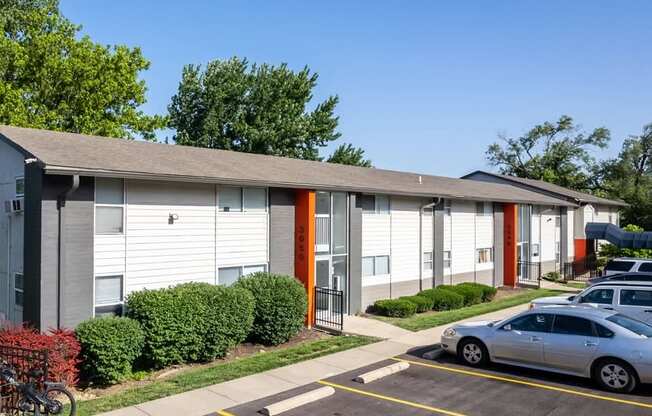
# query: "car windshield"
{"type": "Point", "coordinates": [637, 327]}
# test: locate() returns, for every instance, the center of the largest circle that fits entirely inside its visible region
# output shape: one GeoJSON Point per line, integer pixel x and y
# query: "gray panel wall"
{"type": "Point", "coordinates": [77, 278]}
{"type": "Point", "coordinates": [438, 244]}
{"type": "Point", "coordinates": [355, 255]}
{"type": "Point", "coordinates": [32, 248]}
{"type": "Point", "coordinates": [563, 238]}
{"type": "Point", "coordinates": [499, 246]}
{"type": "Point", "coordinates": [281, 231]}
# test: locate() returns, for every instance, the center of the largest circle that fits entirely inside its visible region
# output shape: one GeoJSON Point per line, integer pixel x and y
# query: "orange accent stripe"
{"type": "Point", "coordinates": [304, 246]}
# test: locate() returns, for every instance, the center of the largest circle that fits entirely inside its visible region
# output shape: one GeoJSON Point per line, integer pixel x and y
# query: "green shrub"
{"type": "Point", "coordinates": [191, 322]}
{"type": "Point", "coordinates": [443, 300]}
{"type": "Point", "coordinates": [280, 306]}
{"type": "Point", "coordinates": [397, 308]}
{"type": "Point", "coordinates": [422, 303]}
{"type": "Point", "coordinates": [472, 295]}
{"type": "Point", "coordinates": [552, 276]}
{"type": "Point", "coordinates": [110, 345]}
{"type": "Point", "coordinates": [488, 292]}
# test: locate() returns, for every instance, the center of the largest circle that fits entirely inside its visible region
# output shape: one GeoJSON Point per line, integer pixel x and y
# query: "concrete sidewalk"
{"type": "Point", "coordinates": [231, 393]}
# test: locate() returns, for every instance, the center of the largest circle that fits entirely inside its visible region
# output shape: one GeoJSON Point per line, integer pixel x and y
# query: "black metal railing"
{"type": "Point", "coordinates": [582, 269]}
{"type": "Point", "coordinates": [329, 309]}
{"type": "Point", "coordinates": [529, 273]}
{"type": "Point", "coordinates": [23, 361]}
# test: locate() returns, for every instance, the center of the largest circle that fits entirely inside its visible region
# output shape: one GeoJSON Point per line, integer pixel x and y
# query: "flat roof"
{"type": "Point", "coordinates": [552, 188]}
{"type": "Point", "coordinates": [69, 153]}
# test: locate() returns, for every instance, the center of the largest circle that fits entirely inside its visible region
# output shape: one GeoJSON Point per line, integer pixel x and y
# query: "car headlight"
{"type": "Point", "coordinates": [450, 332]}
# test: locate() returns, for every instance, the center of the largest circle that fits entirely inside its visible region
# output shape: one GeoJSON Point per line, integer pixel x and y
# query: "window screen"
{"type": "Point", "coordinates": [427, 260]}
{"type": "Point", "coordinates": [368, 266]}
{"type": "Point", "coordinates": [108, 220]}
{"type": "Point", "coordinates": [382, 204]}
{"type": "Point", "coordinates": [382, 265]}
{"type": "Point", "coordinates": [230, 199]}
{"type": "Point", "coordinates": [253, 269]}
{"type": "Point", "coordinates": [109, 191]}
{"type": "Point", "coordinates": [228, 275]}
{"type": "Point", "coordinates": [255, 199]}
{"type": "Point", "coordinates": [108, 290]}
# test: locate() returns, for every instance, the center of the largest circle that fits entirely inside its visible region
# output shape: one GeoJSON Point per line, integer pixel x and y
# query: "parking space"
{"type": "Point", "coordinates": [444, 387]}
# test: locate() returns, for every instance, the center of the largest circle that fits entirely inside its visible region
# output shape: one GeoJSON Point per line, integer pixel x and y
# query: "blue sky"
{"type": "Point", "coordinates": [424, 86]}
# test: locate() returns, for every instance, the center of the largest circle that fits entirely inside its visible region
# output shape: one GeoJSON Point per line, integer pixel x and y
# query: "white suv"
{"type": "Point", "coordinates": [629, 298]}
{"type": "Point", "coordinates": [627, 264]}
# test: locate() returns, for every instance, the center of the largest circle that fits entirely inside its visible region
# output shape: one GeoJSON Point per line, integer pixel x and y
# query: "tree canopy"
{"type": "Point", "coordinates": [557, 152]}
{"type": "Point", "coordinates": [53, 80]}
{"type": "Point", "coordinates": [252, 108]}
{"type": "Point", "coordinates": [347, 154]}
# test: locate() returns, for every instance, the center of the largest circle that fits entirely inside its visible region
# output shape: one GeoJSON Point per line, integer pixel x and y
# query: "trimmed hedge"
{"type": "Point", "coordinates": [109, 347]}
{"type": "Point", "coordinates": [443, 300]}
{"type": "Point", "coordinates": [472, 295]}
{"type": "Point", "coordinates": [280, 306]}
{"type": "Point", "coordinates": [397, 308]}
{"type": "Point", "coordinates": [191, 321]}
{"type": "Point", "coordinates": [488, 292]}
{"type": "Point", "coordinates": [422, 303]}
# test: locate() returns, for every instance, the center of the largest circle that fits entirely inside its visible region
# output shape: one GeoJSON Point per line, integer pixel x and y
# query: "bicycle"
{"type": "Point", "coordinates": [37, 401]}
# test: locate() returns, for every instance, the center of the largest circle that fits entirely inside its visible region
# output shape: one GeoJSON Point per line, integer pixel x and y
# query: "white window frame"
{"type": "Point", "coordinates": [487, 209]}
{"type": "Point", "coordinates": [17, 290]}
{"type": "Point", "coordinates": [19, 178]}
{"type": "Point", "coordinates": [241, 267]}
{"type": "Point", "coordinates": [122, 294]}
{"type": "Point", "coordinates": [243, 208]}
{"type": "Point", "coordinates": [481, 249]}
{"type": "Point", "coordinates": [122, 206]}
{"type": "Point", "coordinates": [428, 262]}
{"type": "Point", "coordinates": [389, 265]}
{"type": "Point", "coordinates": [449, 260]}
{"type": "Point", "coordinates": [376, 210]}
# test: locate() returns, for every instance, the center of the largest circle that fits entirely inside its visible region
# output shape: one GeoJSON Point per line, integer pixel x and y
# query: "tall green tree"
{"type": "Point", "coordinates": [556, 152]}
{"type": "Point", "coordinates": [347, 154]}
{"type": "Point", "coordinates": [629, 177]}
{"type": "Point", "coordinates": [51, 79]}
{"type": "Point", "coordinates": [252, 108]}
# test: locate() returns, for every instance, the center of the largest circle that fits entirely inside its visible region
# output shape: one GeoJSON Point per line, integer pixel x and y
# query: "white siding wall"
{"type": "Point", "coordinates": [405, 262]}
{"type": "Point", "coordinates": [241, 238]}
{"type": "Point", "coordinates": [448, 241]}
{"type": "Point", "coordinates": [463, 237]}
{"type": "Point", "coordinates": [376, 235]}
{"type": "Point", "coordinates": [549, 234]}
{"type": "Point", "coordinates": [427, 228]}
{"type": "Point", "coordinates": [484, 237]}
{"type": "Point", "coordinates": [536, 231]}
{"type": "Point", "coordinates": [12, 165]}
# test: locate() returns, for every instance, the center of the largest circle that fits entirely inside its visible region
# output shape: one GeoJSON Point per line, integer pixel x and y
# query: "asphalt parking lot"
{"type": "Point", "coordinates": [444, 387]}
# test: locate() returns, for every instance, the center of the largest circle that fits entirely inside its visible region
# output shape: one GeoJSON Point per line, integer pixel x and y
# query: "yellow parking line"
{"type": "Point", "coordinates": [391, 399]}
{"type": "Point", "coordinates": [224, 413]}
{"type": "Point", "coordinates": [527, 383]}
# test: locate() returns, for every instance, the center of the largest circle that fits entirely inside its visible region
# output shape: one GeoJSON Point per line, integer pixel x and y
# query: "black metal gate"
{"type": "Point", "coordinates": [23, 360]}
{"type": "Point", "coordinates": [329, 309]}
{"type": "Point", "coordinates": [529, 273]}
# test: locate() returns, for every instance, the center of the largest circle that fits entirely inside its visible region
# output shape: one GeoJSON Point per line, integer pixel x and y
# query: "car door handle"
{"type": "Point", "coordinates": [535, 339]}
{"type": "Point", "coordinates": [609, 308]}
{"type": "Point", "coordinates": [648, 310]}
{"type": "Point", "coordinates": [590, 344]}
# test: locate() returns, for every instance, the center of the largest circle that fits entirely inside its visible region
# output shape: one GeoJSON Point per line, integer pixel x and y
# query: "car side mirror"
{"type": "Point", "coordinates": [572, 298]}
{"type": "Point", "coordinates": [507, 327]}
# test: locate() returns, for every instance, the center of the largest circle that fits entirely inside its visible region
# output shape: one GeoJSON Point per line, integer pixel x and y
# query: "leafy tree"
{"type": "Point", "coordinates": [51, 79]}
{"type": "Point", "coordinates": [556, 152]}
{"type": "Point", "coordinates": [610, 250]}
{"type": "Point", "coordinates": [629, 177]}
{"type": "Point", "coordinates": [346, 154]}
{"type": "Point", "coordinates": [257, 109]}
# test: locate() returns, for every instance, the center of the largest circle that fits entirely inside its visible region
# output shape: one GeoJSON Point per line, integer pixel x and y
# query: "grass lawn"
{"type": "Point", "coordinates": [577, 285]}
{"type": "Point", "coordinates": [432, 319]}
{"type": "Point", "coordinates": [206, 376]}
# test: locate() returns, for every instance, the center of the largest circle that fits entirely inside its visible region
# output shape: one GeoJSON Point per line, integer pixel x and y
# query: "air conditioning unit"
{"type": "Point", "coordinates": [14, 205]}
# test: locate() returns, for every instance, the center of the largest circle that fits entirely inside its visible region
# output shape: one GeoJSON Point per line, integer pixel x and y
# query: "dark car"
{"type": "Point", "coordinates": [622, 277]}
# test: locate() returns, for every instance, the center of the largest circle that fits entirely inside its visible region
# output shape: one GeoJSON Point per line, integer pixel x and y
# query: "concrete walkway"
{"type": "Point", "coordinates": [231, 393]}
{"type": "Point", "coordinates": [545, 284]}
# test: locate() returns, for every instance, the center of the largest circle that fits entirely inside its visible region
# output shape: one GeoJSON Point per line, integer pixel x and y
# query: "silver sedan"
{"type": "Point", "coordinates": [612, 349]}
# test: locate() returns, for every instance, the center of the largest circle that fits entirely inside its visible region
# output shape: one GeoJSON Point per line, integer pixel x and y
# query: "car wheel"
{"type": "Point", "coordinates": [615, 375]}
{"type": "Point", "coordinates": [473, 352]}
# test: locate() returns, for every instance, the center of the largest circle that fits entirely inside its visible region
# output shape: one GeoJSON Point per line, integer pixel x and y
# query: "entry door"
{"type": "Point", "coordinates": [330, 273]}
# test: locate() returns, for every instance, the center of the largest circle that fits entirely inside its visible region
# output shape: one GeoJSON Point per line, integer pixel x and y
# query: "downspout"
{"type": "Point", "coordinates": [61, 203]}
{"type": "Point", "coordinates": [429, 205]}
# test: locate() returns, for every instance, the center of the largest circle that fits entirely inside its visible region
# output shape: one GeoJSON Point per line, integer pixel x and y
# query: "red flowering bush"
{"type": "Point", "coordinates": [61, 344]}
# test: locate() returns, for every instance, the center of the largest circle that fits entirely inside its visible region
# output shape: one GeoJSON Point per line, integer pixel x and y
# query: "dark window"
{"type": "Point", "coordinates": [645, 267]}
{"type": "Point", "coordinates": [637, 327]}
{"type": "Point", "coordinates": [536, 322]}
{"type": "Point", "coordinates": [635, 297]}
{"type": "Point", "coordinates": [619, 266]}
{"type": "Point", "coordinates": [572, 325]}
{"type": "Point", "coordinates": [601, 296]}
{"type": "Point", "coordinates": [602, 331]}
{"type": "Point", "coordinates": [368, 203]}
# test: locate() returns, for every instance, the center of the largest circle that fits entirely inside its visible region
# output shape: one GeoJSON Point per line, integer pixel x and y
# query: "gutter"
{"type": "Point", "coordinates": [61, 203]}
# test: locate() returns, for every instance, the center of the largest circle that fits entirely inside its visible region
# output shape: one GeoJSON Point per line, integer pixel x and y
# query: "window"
{"type": "Point", "coordinates": [602, 331]}
{"type": "Point", "coordinates": [375, 204]}
{"type": "Point", "coordinates": [558, 221]}
{"type": "Point", "coordinates": [645, 267]}
{"type": "Point", "coordinates": [600, 296]}
{"type": "Point", "coordinates": [109, 209]}
{"type": "Point", "coordinates": [484, 255]}
{"type": "Point", "coordinates": [619, 266]}
{"type": "Point", "coordinates": [447, 207]}
{"type": "Point", "coordinates": [226, 276]}
{"type": "Point", "coordinates": [18, 289]}
{"type": "Point", "coordinates": [427, 260]}
{"type": "Point", "coordinates": [538, 322]}
{"type": "Point", "coordinates": [636, 297]}
{"type": "Point", "coordinates": [375, 265]}
{"type": "Point", "coordinates": [535, 250]}
{"type": "Point", "coordinates": [230, 199]}
{"type": "Point", "coordinates": [255, 199]}
{"type": "Point", "coordinates": [572, 325]}
{"type": "Point", "coordinates": [323, 203]}
{"type": "Point", "coordinates": [637, 327]}
{"type": "Point", "coordinates": [108, 295]}
{"type": "Point", "coordinates": [20, 187]}
{"type": "Point", "coordinates": [236, 199]}
{"type": "Point", "coordinates": [483, 208]}
{"type": "Point", "coordinates": [447, 259]}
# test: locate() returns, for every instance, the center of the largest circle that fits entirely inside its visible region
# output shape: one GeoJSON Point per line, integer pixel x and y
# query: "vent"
{"type": "Point", "coordinates": [14, 205]}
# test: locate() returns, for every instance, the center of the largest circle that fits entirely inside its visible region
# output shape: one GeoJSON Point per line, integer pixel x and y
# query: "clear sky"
{"type": "Point", "coordinates": [424, 86]}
